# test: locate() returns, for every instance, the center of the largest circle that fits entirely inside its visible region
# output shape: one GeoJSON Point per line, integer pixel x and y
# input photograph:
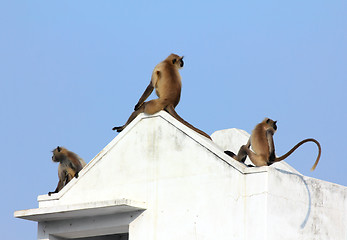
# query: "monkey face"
{"type": "Point", "coordinates": [57, 155]}
{"type": "Point", "coordinates": [54, 159]}
{"type": "Point", "coordinates": [176, 60]}
{"type": "Point", "coordinates": [272, 123]}
{"type": "Point", "coordinates": [181, 62]}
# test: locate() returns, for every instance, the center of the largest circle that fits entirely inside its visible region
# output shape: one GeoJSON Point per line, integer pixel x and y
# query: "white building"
{"type": "Point", "coordinates": [159, 180]}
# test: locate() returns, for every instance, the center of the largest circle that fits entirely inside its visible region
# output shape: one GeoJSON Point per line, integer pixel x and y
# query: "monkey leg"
{"type": "Point", "coordinates": [144, 96]}
{"type": "Point", "coordinates": [240, 157]}
{"type": "Point", "coordinates": [155, 106]}
{"type": "Point", "coordinates": [257, 160]}
{"type": "Point", "coordinates": [242, 154]}
{"type": "Point", "coordinates": [131, 118]}
{"type": "Point", "coordinates": [69, 177]}
{"type": "Point", "coordinates": [231, 154]}
{"type": "Point", "coordinates": [149, 107]}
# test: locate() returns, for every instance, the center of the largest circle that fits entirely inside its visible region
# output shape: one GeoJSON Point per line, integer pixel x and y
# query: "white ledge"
{"type": "Point", "coordinates": [81, 210]}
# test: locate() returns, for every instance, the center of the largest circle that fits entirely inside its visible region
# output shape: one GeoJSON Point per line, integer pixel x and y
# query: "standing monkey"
{"type": "Point", "coordinates": [69, 166]}
{"type": "Point", "coordinates": [166, 80]}
{"type": "Point", "coordinates": [264, 148]}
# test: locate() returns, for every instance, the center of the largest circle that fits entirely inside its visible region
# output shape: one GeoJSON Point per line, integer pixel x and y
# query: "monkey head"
{"type": "Point", "coordinates": [271, 123]}
{"type": "Point", "coordinates": [176, 60]}
{"type": "Point", "coordinates": [58, 154]}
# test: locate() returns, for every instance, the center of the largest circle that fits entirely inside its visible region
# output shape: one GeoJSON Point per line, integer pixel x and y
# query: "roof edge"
{"type": "Point", "coordinates": [81, 210]}
{"type": "Point", "coordinates": [203, 141]}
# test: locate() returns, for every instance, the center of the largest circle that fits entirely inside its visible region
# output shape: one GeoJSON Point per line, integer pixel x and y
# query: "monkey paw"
{"type": "Point", "coordinates": [231, 154]}
{"type": "Point", "coordinates": [118, 129]}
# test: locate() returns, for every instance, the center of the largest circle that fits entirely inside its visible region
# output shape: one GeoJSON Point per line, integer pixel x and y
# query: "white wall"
{"type": "Point", "coordinates": [194, 191]}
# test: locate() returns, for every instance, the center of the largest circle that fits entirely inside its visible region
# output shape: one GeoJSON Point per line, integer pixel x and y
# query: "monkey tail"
{"type": "Point", "coordinates": [170, 109]}
{"type": "Point", "coordinates": [298, 145]}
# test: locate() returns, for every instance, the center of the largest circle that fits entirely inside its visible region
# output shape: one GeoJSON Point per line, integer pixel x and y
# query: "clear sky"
{"type": "Point", "coordinates": [71, 70]}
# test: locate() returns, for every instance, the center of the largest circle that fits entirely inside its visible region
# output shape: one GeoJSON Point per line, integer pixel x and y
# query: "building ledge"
{"type": "Point", "coordinates": [81, 210]}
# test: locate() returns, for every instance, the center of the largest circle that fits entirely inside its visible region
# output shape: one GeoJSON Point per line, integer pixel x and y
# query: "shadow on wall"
{"type": "Point", "coordinates": [303, 224]}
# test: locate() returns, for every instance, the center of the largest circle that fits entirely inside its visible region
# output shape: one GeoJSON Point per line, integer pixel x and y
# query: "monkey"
{"type": "Point", "coordinates": [263, 146]}
{"type": "Point", "coordinates": [70, 164]}
{"type": "Point", "coordinates": [166, 80]}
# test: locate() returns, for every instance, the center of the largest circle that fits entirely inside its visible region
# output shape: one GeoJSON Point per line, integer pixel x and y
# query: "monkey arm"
{"type": "Point", "coordinates": [77, 167]}
{"type": "Point", "coordinates": [269, 136]}
{"type": "Point", "coordinates": [74, 164]}
{"type": "Point", "coordinates": [59, 186]}
{"type": "Point", "coordinates": [248, 145]}
{"type": "Point", "coordinates": [144, 96]}
{"type": "Point", "coordinates": [64, 179]}
{"type": "Point", "coordinates": [62, 174]}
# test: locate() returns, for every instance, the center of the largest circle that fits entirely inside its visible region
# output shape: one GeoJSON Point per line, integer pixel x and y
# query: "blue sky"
{"type": "Point", "coordinates": [71, 70]}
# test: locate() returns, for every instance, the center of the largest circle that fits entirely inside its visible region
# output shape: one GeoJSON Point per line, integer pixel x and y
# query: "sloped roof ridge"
{"type": "Point", "coordinates": [198, 138]}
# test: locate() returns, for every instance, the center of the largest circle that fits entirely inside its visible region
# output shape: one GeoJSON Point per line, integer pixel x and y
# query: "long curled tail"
{"type": "Point", "coordinates": [170, 109]}
{"type": "Point", "coordinates": [298, 145]}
